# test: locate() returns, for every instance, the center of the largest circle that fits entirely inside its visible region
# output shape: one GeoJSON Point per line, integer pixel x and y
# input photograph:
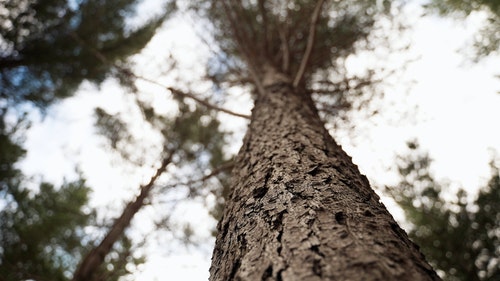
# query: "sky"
{"type": "Point", "coordinates": [456, 121]}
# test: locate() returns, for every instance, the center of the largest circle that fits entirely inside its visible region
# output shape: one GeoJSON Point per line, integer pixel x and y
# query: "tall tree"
{"type": "Point", "coordinates": [460, 239]}
{"type": "Point", "coordinates": [298, 208]}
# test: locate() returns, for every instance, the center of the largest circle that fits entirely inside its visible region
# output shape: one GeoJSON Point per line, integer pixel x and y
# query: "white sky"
{"type": "Point", "coordinates": [457, 122]}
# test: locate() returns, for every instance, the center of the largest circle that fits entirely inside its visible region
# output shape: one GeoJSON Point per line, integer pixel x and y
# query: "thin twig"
{"type": "Point", "coordinates": [214, 172]}
{"type": "Point", "coordinates": [310, 44]}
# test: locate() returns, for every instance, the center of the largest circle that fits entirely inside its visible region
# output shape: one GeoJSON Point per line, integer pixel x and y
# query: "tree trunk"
{"type": "Point", "coordinates": [299, 209]}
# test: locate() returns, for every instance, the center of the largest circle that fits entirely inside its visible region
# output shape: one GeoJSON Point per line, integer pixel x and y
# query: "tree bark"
{"type": "Point", "coordinates": [299, 209]}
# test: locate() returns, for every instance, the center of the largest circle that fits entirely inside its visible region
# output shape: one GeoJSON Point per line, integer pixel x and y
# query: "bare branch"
{"type": "Point", "coordinates": [223, 167]}
{"type": "Point", "coordinates": [206, 103]}
{"type": "Point", "coordinates": [95, 51]}
{"type": "Point", "coordinates": [310, 44]}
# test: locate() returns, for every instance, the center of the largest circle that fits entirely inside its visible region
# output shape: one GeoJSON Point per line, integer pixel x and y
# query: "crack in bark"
{"type": "Point", "coordinates": [260, 192]}
{"type": "Point", "coordinates": [315, 170]}
{"type": "Point", "coordinates": [268, 273]}
{"type": "Point", "coordinates": [327, 180]}
{"type": "Point", "coordinates": [236, 266]}
{"type": "Point", "coordinates": [341, 218]}
{"type": "Point", "coordinates": [317, 268]}
{"type": "Point", "coordinates": [279, 275]}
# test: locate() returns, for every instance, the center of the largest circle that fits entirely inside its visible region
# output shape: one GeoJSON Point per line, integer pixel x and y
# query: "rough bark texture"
{"type": "Point", "coordinates": [299, 209]}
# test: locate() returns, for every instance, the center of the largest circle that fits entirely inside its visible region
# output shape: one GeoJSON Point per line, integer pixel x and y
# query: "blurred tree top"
{"type": "Point", "coordinates": [487, 41]}
{"type": "Point", "coordinates": [460, 239]}
{"type": "Point", "coordinates": [252, 36]}
{"type": "Point", "coordinates": [47, 48]}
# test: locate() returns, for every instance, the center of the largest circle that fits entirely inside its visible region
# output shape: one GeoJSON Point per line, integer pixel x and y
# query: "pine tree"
{"type": "Point", "coordinates": [298, 208]}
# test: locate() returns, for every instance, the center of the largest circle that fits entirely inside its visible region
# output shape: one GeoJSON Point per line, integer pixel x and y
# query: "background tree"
{"type": "Point", "coordinates": [47, 49]}
{"type": "Point", "coordinates": [459, 237]}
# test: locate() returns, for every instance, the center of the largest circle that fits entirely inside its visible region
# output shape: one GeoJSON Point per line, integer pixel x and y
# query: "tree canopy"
{"type": "Point", "coordinates": [308, 41]}
{"type": "Point", "coordinates": [47, 48]}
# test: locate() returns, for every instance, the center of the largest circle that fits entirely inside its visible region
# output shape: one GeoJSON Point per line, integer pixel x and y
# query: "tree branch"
{"type": "Point", "coordinates": [95, 257]}
{"type": "Point", "coordinates": [310, 44]}
{"type": "Point", "coordinates": [9, 63]}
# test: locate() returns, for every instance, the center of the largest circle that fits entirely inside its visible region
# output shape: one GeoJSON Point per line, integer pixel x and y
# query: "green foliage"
{"type": "Point", "coordinates": [119, 263]}
{"type": "Point", "coordinates": [488, 39]}
{"type": "Point", "coordinates": [10, 149]}
{"type": "Point", "coordinates": [43, 236]}
{"type": "Point", "coordinates": [42, 232]}
{"type": "Point", "coordinates": [460, 239]}
{"type": "Point", "coordinates": [111, 126]}
{"type": "Point", "coordinates": [274, 32]}
{"type": "Point", "coordinates": [47, 48]}
{"type": "Point", "coordinates": [463, 7]}
{"type": "Point", "coordinates": [202, 141]}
